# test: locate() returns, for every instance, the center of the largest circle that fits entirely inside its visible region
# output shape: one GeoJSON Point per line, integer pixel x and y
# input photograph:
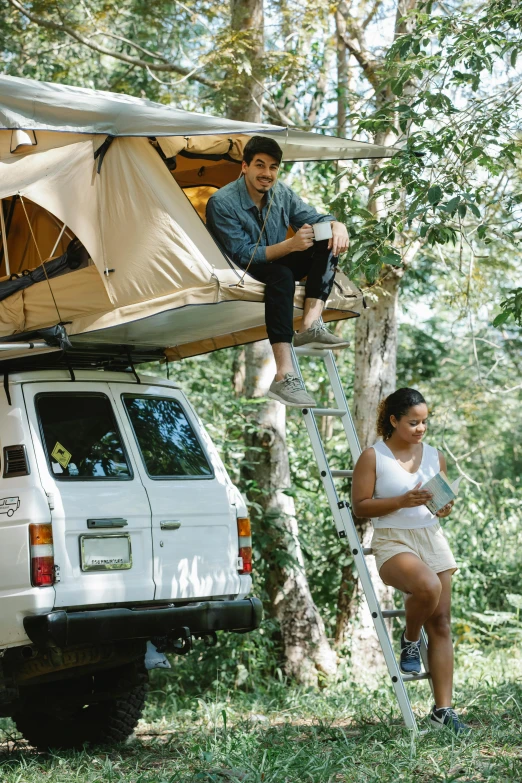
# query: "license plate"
{"type": "Point", "coordinates": [106, 553]}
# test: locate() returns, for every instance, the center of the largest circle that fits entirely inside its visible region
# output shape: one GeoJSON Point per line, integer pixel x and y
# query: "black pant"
{"type": "Point", "coordinates": [317, 264]}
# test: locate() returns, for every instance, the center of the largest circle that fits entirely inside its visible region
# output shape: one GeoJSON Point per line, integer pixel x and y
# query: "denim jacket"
{"type": "Point", "coordinates": [235, 221]}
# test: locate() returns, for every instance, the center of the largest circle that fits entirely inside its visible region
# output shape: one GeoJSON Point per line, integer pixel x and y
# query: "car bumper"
{"type": "Point", "coordinates": [62, 628]}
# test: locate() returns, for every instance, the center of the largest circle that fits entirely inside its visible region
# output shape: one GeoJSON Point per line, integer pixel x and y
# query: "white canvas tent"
{"type": "Point", "coordinates": [156, 279]}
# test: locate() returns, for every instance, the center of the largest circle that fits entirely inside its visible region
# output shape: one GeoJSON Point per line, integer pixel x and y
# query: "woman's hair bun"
{"type": "Point", "coordinates": [396, 404]}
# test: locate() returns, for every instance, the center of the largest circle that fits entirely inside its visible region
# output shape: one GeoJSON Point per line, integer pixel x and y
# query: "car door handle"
{"type": "Point", "coordinates": [109, 522]}
{"type": "Point", "coordinates": [170, 524]}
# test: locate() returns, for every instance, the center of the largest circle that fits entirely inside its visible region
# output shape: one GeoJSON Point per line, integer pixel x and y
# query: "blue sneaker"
{"type": "Point", "coordinates": [410, 662]}
{"type": "Point", "coordinates": [446, 717]}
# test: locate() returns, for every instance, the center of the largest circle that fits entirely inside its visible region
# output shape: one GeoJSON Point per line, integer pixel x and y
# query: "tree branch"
{"type": "Point", "coordinates": [368, 66]}
{"type": "Point", "coordinates": [371, 14]}
{"type": "Point", "coordinates": [136, 61]}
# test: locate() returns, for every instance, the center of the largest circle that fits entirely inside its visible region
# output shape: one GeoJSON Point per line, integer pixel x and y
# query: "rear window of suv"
{"type": "Point", "coordinates": [81, 437]}
{"type": "Point", "coordinates": [168, 444]}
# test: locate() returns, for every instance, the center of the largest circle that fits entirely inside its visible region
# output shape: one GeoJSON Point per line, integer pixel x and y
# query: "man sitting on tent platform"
{"type": "Point", "coordinates": [251, 225]}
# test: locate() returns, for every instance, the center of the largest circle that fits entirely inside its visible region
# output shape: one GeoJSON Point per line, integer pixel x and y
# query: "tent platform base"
{"type": "Point", "coordinates": [196, 328]}
{"type": "Point", "coordinates": [167, 335]}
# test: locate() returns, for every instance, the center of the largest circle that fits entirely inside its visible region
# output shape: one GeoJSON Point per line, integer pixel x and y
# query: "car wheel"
{"type": "Point", "coordinates": [103, 708]}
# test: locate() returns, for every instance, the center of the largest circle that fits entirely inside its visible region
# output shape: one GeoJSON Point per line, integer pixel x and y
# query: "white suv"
{"type": "Point", "coordinates": [118, 525]}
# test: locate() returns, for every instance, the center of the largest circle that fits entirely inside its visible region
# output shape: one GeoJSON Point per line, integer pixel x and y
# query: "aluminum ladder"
{"type": "Point", "coordinates": [347, 530]}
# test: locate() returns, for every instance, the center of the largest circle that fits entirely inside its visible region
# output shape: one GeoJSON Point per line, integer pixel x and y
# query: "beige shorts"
{"type": "Point", "coordinates": [428, 543]}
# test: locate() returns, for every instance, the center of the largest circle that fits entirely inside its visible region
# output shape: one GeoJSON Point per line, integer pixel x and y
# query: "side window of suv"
{"type": "Point", "coordinates": [168, 444]}
{"type": "Point", "coordinates": [81, 437]}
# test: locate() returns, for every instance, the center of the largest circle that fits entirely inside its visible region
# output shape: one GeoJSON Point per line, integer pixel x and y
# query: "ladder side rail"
{"type": "Point", "coordinates": [324, 469]}
{"type": "Point", "coordinates": [341, 402]}
{"type": "Point", "coordinates": [346, 529]}
{"type": "Point", "coordinates": [378, 620]}
{"type": "Point", "coordinates": [355, 448]}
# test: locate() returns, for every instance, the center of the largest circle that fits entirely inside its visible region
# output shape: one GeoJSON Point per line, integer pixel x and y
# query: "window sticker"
{"type": "Point", "coordinates": [61, 455]}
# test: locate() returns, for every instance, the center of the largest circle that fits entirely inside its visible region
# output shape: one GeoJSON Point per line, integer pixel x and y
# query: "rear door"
{"type": "Point", "coordinates": [194, 527]}
{"type": "Point", "coordinates": [99, 506]}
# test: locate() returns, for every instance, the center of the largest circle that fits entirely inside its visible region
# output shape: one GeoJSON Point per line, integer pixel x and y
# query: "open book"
{"type": "Point", "coordinates": [443, 492]}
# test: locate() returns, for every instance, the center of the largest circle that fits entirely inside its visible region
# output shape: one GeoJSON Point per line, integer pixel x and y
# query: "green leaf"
{"type": "Point", "coordinates": [501, 318]}
{"type": "Point", "coordinates": [513, 58]}
{"type": "Point", "coordinates": [434, 194]}
{"type": "Point", "coordinates": [475, 210]}
{"type": "Point", "coordinates": [462, 210]}
{"type": "Point", "coordinates": [475, 152]}
{"type": "Point", "coordinates": [452, 205]}
{"type": "Point", "coordinates": [393, 259]}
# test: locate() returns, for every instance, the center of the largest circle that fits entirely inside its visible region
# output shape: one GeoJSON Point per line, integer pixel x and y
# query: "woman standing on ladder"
{"type": "Point", "coordinates": [411, 551]}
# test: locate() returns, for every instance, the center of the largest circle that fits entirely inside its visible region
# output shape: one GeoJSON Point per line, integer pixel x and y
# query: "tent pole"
{"type": "Point", "coordinates": [57, 241]}
{"type": "Point", "coordinates": [4, 239]}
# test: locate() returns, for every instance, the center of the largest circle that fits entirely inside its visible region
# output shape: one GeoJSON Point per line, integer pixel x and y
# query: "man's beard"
{"type": "Point", "coordinates": [263, 188]}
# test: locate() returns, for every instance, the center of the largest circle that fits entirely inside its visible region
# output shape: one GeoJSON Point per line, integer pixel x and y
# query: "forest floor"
{"type": "Point", "coordinates": [350, 733]}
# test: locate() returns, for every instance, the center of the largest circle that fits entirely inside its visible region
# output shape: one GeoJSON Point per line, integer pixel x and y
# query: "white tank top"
{"type": "Point", "coordinates": [392, 480]}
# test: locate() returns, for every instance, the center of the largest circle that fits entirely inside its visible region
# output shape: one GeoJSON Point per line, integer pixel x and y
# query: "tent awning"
{"type": "Point", "coordinates": [30, 105]}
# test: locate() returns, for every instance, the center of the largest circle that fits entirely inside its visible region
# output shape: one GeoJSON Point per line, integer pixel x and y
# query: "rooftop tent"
{"type": "Point", "coordinates": [130, 179]}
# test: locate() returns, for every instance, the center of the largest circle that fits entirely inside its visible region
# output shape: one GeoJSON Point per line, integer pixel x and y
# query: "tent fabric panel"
{"type": "Point", "coordinates": [198, 197]}
{"type": "Point", "coordinates": [21, 247]}
{"type": "Point", "coordinates": [37, 105]}
{"type": "Point", "coordinates": [144, 218]}
{"type": "Point", "coordinates": [139, 312]}
{"type": "Point", "coordinates": [195, 314]}
{"type": "Point", "coordinates": [34, 105]}
{"type": "Point", "coordinates": [191, 173]}
{"type": "Point", "coordinates": [76, 294]}
{"type": "Point", "coordinates": [45, 140]}
{"type": "Point", "coordinates": [296, 146]}
{"type": "Point", "coordinates": [12, 316]}
{"type": "Point", "coordinates": [62, 181]}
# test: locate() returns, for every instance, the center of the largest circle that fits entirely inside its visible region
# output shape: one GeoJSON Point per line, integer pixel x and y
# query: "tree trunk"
{"type": "Point", "coordinates": [375, 377]}
{"type": "Point", "coordinates": [266, 469]}
{"type": "Point", "coordinates": [375, 355]}
{"type": "Point", "coordinates": [244, 101]}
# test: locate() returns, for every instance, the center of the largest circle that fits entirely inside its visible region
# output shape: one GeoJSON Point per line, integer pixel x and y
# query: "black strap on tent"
{"type": "Point", "coordinates": [68, 363]}
{"type": "Point", "coordinates": [102, 150]}
{"type": "Point", "coordinates": [6, 388]}
{"type": "Point", "coordinates": [8, 223]}
{"type": "Point", "coordinates": [131, 363]}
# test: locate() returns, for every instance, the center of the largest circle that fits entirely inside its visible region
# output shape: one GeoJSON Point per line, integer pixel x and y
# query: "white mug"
{"type": "Point", "coordinates": [322, 230]}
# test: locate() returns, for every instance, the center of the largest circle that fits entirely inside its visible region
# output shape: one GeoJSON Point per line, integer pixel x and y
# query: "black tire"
{"type": "Point", "coordinates": [54, 717]}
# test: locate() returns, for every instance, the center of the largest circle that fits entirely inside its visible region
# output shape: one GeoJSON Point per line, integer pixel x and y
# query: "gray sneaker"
{"type": "Point", "coordinates": [291, 392]}
{"type": "Point", "coordinates": [319, 337]}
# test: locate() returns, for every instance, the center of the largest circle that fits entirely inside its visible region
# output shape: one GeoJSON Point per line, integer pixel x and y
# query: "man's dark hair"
{"type": "Point", "coordinates": [261, 145]}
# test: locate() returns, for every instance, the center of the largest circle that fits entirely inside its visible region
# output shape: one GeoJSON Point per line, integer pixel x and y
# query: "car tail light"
{"type": "Point", "coordinates": [42, 555]}
{"type": "Point", "coordinates": [244, 533]}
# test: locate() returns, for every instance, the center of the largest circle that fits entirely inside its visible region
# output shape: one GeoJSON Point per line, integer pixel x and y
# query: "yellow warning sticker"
{"type": "Point", "coordinates": [61, 455]}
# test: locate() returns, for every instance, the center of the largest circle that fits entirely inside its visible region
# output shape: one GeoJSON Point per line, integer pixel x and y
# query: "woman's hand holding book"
{"type": "Point", "coordinates": [415, 497]}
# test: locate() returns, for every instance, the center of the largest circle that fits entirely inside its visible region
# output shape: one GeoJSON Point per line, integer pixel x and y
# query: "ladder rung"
{"type": "Point", "coordinates": [328, 412]}
{"type": "Point", "coordinates": [304, 351]}
{"type": "Point", "coordinates": [341, 473]}
{"type": "Point", "coordinates": [367, 550]}
{"type": "Point", "coordinates": [393, 613]}
{"type": "Point", "coordinates": [421, 676]}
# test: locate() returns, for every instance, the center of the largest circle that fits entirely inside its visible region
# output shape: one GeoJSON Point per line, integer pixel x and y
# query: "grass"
{"type": "Point", "coordinates": [349, 733]}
